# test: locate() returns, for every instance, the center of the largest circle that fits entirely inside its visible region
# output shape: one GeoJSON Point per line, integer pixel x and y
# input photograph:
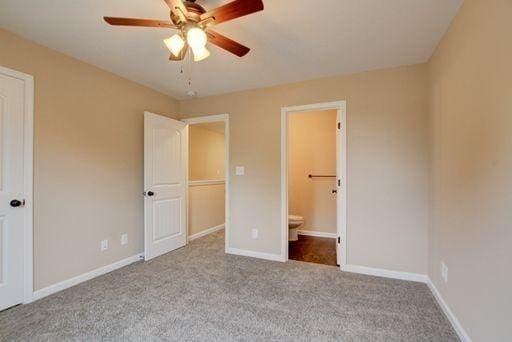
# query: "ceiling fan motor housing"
{"type": "Point", "coordinates": [194, 11]}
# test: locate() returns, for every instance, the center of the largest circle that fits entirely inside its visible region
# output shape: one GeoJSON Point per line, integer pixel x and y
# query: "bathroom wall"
{"type": "Point", "coordinates": [207, 163]}
{"type": "Point", "coordinates": [312, 150]}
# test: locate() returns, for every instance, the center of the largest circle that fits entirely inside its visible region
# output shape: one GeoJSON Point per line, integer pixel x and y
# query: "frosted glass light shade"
{"type": "Point", "coordinates": [196, 38]}
{"type": "Point", "coordinates": [200, 53]}
{"type": "Point", "coordinates": [175, 44]}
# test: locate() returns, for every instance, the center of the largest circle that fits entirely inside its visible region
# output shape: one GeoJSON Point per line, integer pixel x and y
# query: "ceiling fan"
{"type": "Point", "coordinates": [194, 25]}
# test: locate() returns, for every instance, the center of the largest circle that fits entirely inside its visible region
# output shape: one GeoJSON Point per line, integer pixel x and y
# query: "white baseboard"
{"type": "Point", "coordinates": [206, 232]}
{"type": "Point", "coordinates": [317, 233]}
{"type": "Point", "coordinates": [464, 337]}
{"type": "Point", "coordinates": [259, 255]}
{"type": "Point", "coordinates": [380, 272]}
{"type": "Point", "coordinates": [84, 277]}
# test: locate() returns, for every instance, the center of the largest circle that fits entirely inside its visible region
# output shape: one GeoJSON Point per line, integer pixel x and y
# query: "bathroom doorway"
{"type": "Point", "coordinates": [313, 182]}
{"type": "Point", "coordinates": [208, 177]}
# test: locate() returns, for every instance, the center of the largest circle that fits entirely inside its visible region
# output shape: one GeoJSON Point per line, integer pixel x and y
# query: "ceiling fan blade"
{"type": "Point", "coordinates": [227, 44]}
{"type": "Point", "coordinates": [138, 22]}
{"type": "Point", "coordinates": [233, 10]}
{"type": "Point", "coordinates": [182, 54]}
{"type": "Point", "coordinates": [178, 8]}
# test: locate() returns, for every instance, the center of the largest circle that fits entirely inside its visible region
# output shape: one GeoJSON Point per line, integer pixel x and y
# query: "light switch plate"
{"type": "Point", "coordinates": [124, 239]}
{"type": "Point", "coordinates": [239, 170]}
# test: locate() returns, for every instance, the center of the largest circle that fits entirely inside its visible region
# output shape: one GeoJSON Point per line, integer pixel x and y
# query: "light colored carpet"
{"type": "Point", "coordinates": [198, 293]}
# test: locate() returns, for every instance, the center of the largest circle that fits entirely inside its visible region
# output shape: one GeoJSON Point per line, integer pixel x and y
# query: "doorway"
{"type": "Point", "coordinates": [16, 177]}
{"type": "Point", "coordinates": [312, 187]}
{"type": "Point", "coordinates": [208, 176]}
{"type": "Point", "coordinates": [316, 178]}
{"type": "Point", "coordinates": [167, 224]}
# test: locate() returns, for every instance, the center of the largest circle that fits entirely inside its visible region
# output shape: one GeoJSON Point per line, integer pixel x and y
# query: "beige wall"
{"type": "Point", "coordinates": [471, 103]}
{"type": "Point", "coordinates": [88, 163]}
{"type": "Point", "coordinates": [388, 165]}
{"type": "Point", "coordinates": [312, 150]}
{"type": "Point", "coordinates": [88, 175]}
{"type": "Point", "coordinates": [207, 154]}
{"type": "Point", "coordinates": [207, 161]}
{"type": "Point", "coordinates": [206, 207]}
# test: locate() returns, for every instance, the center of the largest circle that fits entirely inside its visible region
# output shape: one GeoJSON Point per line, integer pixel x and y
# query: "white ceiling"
{"type": "Point", "coordinates": [291, 40]}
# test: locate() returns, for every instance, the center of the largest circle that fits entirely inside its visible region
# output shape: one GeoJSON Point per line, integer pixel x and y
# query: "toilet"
{"type": "Point", "coordinates": [294, 222]}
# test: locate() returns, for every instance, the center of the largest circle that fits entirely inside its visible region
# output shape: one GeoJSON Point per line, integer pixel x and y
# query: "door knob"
{"type": "Point", "coordinates": [151, 193]}
{"type": "Point", "coordinates": [334, 191]}
{"type": "Point", "coordinates": [17, 203]}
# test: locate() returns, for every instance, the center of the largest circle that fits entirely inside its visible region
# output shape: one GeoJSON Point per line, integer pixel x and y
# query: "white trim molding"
{"type": "Point", "coordinates": [28, 181]}
{"type": "Point", "coordinates": [457, 326]}
{"type": "Point", "coordinates": [85, 276]}
{"type": "Point", "coordinates": [380, 272]}
{"type": "Point", "coordinates": [206, 182]}
{"type": "Point", "coordinates": [206, 232]}
{"type": "Point", "coordinates": [258, 255]}
{"type": "Point", "coordinates": [422, 278]}
{"type": "Point", "coordinates": [317, 234]}
{"type": "Point", "coordinates": [207, 118]}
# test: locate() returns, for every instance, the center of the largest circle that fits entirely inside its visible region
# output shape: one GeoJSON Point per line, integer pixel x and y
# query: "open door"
{"type": "Point", "coordinates": [12, 189]}
{"type": "Point", "coordinates": [165, 185]}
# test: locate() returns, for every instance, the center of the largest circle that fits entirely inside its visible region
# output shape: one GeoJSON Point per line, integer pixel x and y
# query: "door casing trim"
{"type": "Point", "coordinates": [218, 118]}
{"type": "Point", "coordinates": [341, 166]}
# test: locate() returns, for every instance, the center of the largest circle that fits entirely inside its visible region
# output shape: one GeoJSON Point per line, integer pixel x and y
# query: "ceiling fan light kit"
{"type": "Point", "coordinates": [194, 24]}
{"type": "Point", "coordinates": [175, 44]}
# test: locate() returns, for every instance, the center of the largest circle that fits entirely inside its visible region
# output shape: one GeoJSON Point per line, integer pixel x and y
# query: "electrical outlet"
{"type": "Point", "coordinates": [444, 272]}
{"type": "Point", "coordinates": [239, 170]}
{"type": "Point", "coordinates": [254, 233]}
{"type": "Point", "coordinates": [104, 245]}
{"type": "Point", "coordinates": [124, 239]}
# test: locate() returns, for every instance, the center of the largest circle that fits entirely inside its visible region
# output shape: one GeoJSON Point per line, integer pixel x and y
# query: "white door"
{"type": "Point", "coordinates": [165, 185]}
{"type": "Point", "coordinates": [11, 190]}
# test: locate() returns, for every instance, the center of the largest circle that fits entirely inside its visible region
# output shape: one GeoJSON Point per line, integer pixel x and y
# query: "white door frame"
{"type": "Point", "coordinates": [341, 166]}
{"type": "Point", "coordinates": [28, 170]}
{"type": "Point", "coordinates": [217, 118]}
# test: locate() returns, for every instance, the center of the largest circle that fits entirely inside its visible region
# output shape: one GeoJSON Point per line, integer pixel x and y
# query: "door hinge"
{"type": "Point", "coordinates": [339, 182]}
{"type": "Point", "coordinates": [339, 239]}
{"type": "Point", "coordinates": [339, 125]}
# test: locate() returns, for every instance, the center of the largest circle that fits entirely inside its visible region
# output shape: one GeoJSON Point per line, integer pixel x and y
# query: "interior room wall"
{"type": "Point", "coordinates": [388, 163]}
{"type": "Point", "coordinates": [206, 207]}
{"type": "Point", "coordinates": [312, 150]}
{"type": "Point", "coordinates": [207, 153]}
{"type": "Point", "coordinates": [471, 107]}
{"type": "Point", "coordinates": [207, 162]}
{"type": "Point", "coordinates": [88, 157]}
